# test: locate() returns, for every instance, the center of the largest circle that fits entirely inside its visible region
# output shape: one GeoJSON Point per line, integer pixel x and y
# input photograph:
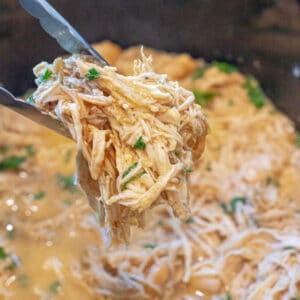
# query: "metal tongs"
{"type": "Point", "coordinates": [69, 39]}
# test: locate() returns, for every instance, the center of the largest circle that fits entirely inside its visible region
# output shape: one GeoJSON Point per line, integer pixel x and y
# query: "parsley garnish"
{"type": "Point", "coordinates": [200, 72]}
{"type": "Point", "coordinates": [295, 298]}
{"type": "Point", "coordinates": [14, 263]}
{"type": "Point", "coordinates": [150, 246]}
{"type": "Point", "coordinates": [203, 98]}
{"type": "Point", "coordinates": [124, 185]}
{"type": "Point", "coordinates": [228, 296]}
{"type": "Point", "coordinates": [4, 149]}
{"type": "Point", "coordinates": [30, 150]}
{"type": "Point", "coordinates": [127, 171]}
{"type": "Point", "coordinates": [54, 288]}
{"type": "Point", "coordinates": [255, 93]}
{"type": "Point", "coordinates": [39, 195]}
{"type": "Point", "coordinates": [3, 254]}
{"type": "Point", "coordinates": [297, 140]}
{"type": "Point", "coordinates": [189, 220]}
{"type": "Point", "coordinates": [140, 144]}
{"type": "Point", "coordinates": [187, 170]}
{"type": "Point", "coordinates": [30, 99]}
{"type": "Point", "coordinates": [12, 163]}
{"type": "Point", "coordinates": [224, 67]}
{"type": "Point", "coordinates": [233, 204]}
{"type": "Point", "coordinates": [66, 182]}
{"type": "Point", "coordinates": [92, 74]}
{"type": "Point", "coordinates": [46, 75]}
{"type": "Point", "coordinates": [23, 279]}
{"type": "Point", "coordinates": [270, 181]}
{"type": "Point", "coordinates": [288, 248]}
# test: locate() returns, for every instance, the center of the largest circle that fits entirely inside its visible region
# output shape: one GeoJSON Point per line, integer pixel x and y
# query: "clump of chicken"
{"type": "Point", "coordinates": [138, 136]}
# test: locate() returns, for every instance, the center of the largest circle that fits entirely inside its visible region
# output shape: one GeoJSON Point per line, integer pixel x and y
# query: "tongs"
{"type": "Point", "coordinates": [69, 39]}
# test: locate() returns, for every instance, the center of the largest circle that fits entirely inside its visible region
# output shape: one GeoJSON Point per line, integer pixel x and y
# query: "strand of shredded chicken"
{"type": "Point", "coordinates": [138, 136]}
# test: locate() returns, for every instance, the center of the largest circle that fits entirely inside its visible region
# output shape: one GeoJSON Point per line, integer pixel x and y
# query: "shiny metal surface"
{"type": "Point", "coordinates": [59, 28]}
{"type": "Point", "coordinates": [31, 112]}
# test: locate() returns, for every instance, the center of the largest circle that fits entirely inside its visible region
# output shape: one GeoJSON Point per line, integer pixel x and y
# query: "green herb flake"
{"type": "Point", "coordinates": [124, 185]}
{"type": "Point", "coordinates": [189, 220]}
{"type": "Point", "coordinates": [39, 195]}
{"type": "Point", "coordinates": [54, 288]}
{"type": "Point", "coordinates": [200, 72]}
{"type": "Point", "coordinates": [271, 181]}
{"type": "Point", "coordinates": [12, 163]}
{"type": "Point", "coordinates": [4, 150]}
{"type": "Point", "coordinates": [225, 208]}
{"type": "Point", "coordinates": [30, 150]}
{"type": "Point", "coordinates": [289, 248]}
{"type": "Point", "coordinates": [23, 280]}
{"type": "Point", "coordinates": [187, 170]}
{"type": "Point", "coordinates": [140, 144]}
{"type": "Point", "coordinates": [3, 254]}
{"type": "Point", "coordinates": [235, 201]}
{"type": "Point", "coordinates": [67, 182]}
{"type": "Point", "coordinates": [47, 75]}
{"type": "Point", "coordinates": [150, 246]}
{"type": "Point", "coordinates": [11, 234]}
{"type": "Point", "coordinates": [203, 98]}
{"type": "Point", "coordinates": [30, 99]}
{"type": "Point", "coordinates": [92, 74]}
{"type": "Point", "coordinates": [255, 93]}
{"type": "Point", "coordinates": [228, 296]}
{"type": "Point", "coordinates": [295, 298]}
{"type": "Point", "coordinates": [68, 156]}
{"type": "Point", "coordinates": [224, 67]}
{"type": "Point", "coordinates": [127, 171]}
{"type": "Point", "coordinates": [297, 140]}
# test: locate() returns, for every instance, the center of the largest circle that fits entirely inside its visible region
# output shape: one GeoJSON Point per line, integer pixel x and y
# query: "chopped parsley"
{"type": "Point", "coordinates": [187, 170]}
{"type": "Point", "coordinates": [297, 140]}
{"type": "Point", "coordinates": [288, 248]}
{"type": "Point", "coordinates": [30, 150]}
{"type": "Point", "coordinates": [189, 220]}
{"type": "Point", "coordinates": [203, 98]}
{"type": "Point", "coordinates": [127, 171]}
{"type": "Point", "coordinates": [68, 156]}
{"type": "Point", "coordinates": [200, 72]}
{"type": "Point", "coordinates": [124, 185]}
{"type": "Point", "coordinates": [233, 203]}
{"type": "Point", "coordinates": [4, 150]}
{"type": "Point", "coordinates": [255, 93]}
{"type": "Point", "coordinates": [23, 279]}
{"type": "Point", "coordinates": [39, 195]}
{"type": "Point", "coordinates": [54, 288]}
{"type": "Point", "coordinates": [66, 182]}
{"type": "Point", "coordinates": [295, 298]}
{"type": "Point", "coordinates": [46, 75]}
{"type": "Point", "coordinates": [224, 67]}
{"type": "Point", "coordinates": [92, 74]}
{"type": "Point", "coordinates": [140, 144]}
{"type": "Point", "coordinates": [150, 246]}
{"type": "Point", "coordinates": [3, 254]}
{"type": "Point", "coordinates": [12, 163]}
{"type": "Point", "coordinates": [10, 234]}
{"type": "Point", "coordinates": [30, 99]}
{"type": "Point", "coordinates": [14, 263]}
{"type": "Point", "coordinates": [221, 66]}
{"type": "Point", "coordinates": [271, 181]}
{"type": "Point", "coordinates": [228, 296]}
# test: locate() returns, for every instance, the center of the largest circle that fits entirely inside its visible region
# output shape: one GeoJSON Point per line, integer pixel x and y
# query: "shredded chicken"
{"type": "Point", "coordinates": [138, 136]}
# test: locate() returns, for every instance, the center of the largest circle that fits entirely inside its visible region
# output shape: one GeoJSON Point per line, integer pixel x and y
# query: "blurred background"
{"type": "Point", "coordinates": [261, 37]}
